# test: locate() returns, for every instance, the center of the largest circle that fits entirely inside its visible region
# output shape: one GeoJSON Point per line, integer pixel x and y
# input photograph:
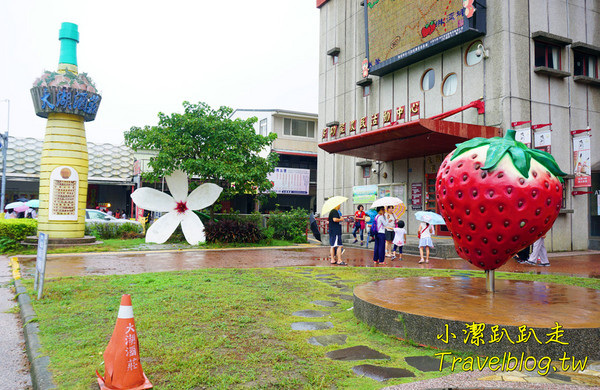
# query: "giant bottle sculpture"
{"type": "Point", "coordinates": [67, 99]}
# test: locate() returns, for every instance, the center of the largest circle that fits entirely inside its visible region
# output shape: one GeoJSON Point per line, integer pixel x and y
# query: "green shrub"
{"type": "Point", "coordinates": [289, 225]}
{"type": "Point", "coordinates": [255, 217]}
{"type": "Point", "coordinates": [18, 228]}
{"type": "Point", "coordinates": [229, 231]}
{"type": "Point", "coordinates": [111, 230]}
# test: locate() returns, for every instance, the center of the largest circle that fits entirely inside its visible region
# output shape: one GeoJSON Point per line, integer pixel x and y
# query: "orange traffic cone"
{"type": "Point", "coordinates": [123, 369]}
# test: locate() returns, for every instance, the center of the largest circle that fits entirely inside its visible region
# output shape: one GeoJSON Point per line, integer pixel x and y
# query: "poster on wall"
{"type": "Point", "coordinates": [416, 196]}
{"type": "Point", "coordinates": [543, 140]}
{"type": "Point", "coordinates": [64, 194]}
{"type": "Point", "coordinates": [581, 160]}
{"type": "Point", "coordinates": [524, 135]}
{"type": "Point", "coordinates": [291, 181]}
{"type": "Point", "coordinates": [364, 194]}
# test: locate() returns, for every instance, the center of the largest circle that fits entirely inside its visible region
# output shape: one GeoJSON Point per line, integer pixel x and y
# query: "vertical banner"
{"type": "Point", "coordinates": [543, 140]}
{"type": "Point", "coordinates": [524, 135]}
{"type": "Point", "coordinates": [416, 196]}
{"type": "Point", "coordinates": [581, 160]}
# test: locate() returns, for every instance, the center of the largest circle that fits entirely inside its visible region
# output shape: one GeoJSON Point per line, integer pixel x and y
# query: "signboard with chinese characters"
{"type": "Point", "coordinates": [416, 196]}
{"type": "Point", "coordinates": [40, 264]}
{"type": "Point", "coordinates": [64, 193]}
{"type": "Point", "coordinates": [402, 32]}
{"type": "Point", "coordinates": [524, 135]}
{"type": "Point", "coordinates": [291, 181]}
{"type": "Point", "coordinates": [581, 160]}
{"type": "Point", "coordinates": [364, 194]}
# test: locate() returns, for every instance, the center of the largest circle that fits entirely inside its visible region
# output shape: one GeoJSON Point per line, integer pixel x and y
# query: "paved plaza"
{"type": "Point", "coordinates": [13, 362]}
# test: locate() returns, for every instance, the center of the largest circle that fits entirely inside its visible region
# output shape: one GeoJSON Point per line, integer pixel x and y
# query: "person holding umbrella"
{"type": "Point", "coordinates": [379, 250]}
{"type": "Point", "coordinates": [428, 219]}
{"type": "Point", "coordinates": [331, 207]}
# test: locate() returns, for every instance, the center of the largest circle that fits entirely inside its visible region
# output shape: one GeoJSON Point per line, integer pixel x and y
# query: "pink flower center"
{"type": "Point", "coordinates": [181, 207]}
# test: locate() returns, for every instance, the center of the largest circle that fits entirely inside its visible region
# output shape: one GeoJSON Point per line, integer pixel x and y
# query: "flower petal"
{"type": "Point", "coordinates": [178, 185]}
{"type": "Point", "coordinates": [193, 229]}
{"type": "Point", "coordinates": [151, 199]}
{"type": "Point", "coordinates": [203, 196]}
{"type": "Point", "coordinates": [162, 228]}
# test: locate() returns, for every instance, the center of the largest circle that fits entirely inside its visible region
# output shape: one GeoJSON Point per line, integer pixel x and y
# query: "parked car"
{"type": "Point", "coordinates": [97, 216]}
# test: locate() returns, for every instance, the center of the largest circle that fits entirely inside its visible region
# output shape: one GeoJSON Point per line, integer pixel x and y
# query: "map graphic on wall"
{"type": "Point", "coordinates": [399, 31]}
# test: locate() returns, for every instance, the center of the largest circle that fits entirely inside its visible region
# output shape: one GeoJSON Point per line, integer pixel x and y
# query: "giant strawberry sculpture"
{"type": "Point", "coordinates": [497, 196]}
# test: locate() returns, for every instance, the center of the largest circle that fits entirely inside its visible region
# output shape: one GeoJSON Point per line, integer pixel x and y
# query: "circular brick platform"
{"type": "Point", "coordinates": [458, 314]}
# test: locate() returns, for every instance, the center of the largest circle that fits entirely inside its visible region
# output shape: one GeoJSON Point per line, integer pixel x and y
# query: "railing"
{"type": "Point", "coordinates": [323, 225]}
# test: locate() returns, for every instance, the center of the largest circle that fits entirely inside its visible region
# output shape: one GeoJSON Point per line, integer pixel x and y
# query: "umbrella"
{"type": "Point", "coordinates": [371, 213]}
{"type": "Point", "coordinates": [21, 208]}
{"type": "Point", "coordinates": [13, 205]}
{"type": "Point", "coordinates": [399, 210]}
{"type": "Point", "coordinates": [314, 228]}
{"type": "Point", "coordinates": [33, 203]}
{"type": "Point", "coordinates": [430, 217]}
{"type": "Point", "coordinates": [386, 201]}
{"type": "Point", "coordinates": [332, 203]}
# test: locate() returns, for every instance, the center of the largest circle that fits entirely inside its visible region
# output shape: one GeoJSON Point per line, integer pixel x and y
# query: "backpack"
{"type": "Point", "coordinates": [373, 231]}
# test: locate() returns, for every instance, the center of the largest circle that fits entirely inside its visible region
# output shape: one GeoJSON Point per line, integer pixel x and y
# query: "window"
{"type": "Point", "coordinates": [449, 85]}
{"type": "Point", "coordinates": [428, 80]}
{"type": "Point", "coordinates": [298, 128]}
{"type": "Point", "coordinates": [335, 59]}
{"type": "Point", "coordinates": [366, 171]}
{"type": "Point", "coordinates": [366, 90]}
{"type": "Point", "coordinates": [547, 55]}
{"type": "Point", "coordinates": [263, 127]}
{"type": "Point", "coordinates": [585, 64]}
{"type": "Point", "coordinates": [471, 57]}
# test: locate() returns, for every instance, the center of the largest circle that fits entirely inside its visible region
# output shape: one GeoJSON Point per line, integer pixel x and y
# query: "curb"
{"type": "Point", "coordinates": [41, 378]}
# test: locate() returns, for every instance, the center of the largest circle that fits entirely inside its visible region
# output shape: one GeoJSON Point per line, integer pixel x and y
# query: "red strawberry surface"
{"type": "Point", "coordinates": [497, 196]}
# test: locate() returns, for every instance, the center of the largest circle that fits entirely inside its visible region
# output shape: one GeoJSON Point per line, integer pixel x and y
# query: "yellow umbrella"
{"type": "Point", "coordinates": [332, 203]}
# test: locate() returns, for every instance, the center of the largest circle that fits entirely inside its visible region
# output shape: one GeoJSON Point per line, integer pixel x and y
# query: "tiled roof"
{"type": "Point", "coordinates": [108, 163]}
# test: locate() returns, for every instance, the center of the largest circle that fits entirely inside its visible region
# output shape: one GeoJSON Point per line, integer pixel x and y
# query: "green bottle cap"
{"type": "Point", "coordinates": [69, 37]}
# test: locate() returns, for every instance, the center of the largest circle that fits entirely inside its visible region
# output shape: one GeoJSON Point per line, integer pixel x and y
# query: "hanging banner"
{"type": "Point", "coordinates": [581, 160]}
{"type": "Point", "coordinates": [524, 135]}
{"type": "Point", "coordinates": [542, 140]}
{"type": "Point", "coordinates": [364, 194]}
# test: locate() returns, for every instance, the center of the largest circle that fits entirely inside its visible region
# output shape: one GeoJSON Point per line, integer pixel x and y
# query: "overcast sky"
{"type": "Point", "coordinates": [147, 57]}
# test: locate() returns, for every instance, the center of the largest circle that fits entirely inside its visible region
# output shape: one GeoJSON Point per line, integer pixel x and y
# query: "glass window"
{"type": "Point", "coordinates": [366, 172]}
{"type": "Point", "coordinates": [450, 84]}
{"type": "Point", "coordinates": [471, 58]}
{"type": "Point", "coordinates": [585, 65]}
{"type": "Point", "coordinates": [547, 55]}
{"type": "Point", "coordinates": [366, 90]}
{"type": "Point", "coordinates": [335, 59]}
{"type": "Point", "coordinates": [96, 215]}
{"type": "Point", "coordinates": [428, 80]}
{"type": "Point", "coordinates": [298, 128]}
{"type": "Point", "coordinates": [263, 127]}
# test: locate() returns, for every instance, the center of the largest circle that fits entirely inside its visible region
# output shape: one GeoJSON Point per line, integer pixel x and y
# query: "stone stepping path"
{"type": "Point", "coordinates": [310, 313]}
{"type": "Point", "coordinates": [425, 363]}
{"type": "Point", "coordinates": [359, 352]}
{"type": "Point", "coordinates": [343, 296]}
{"type": "Point", "coordinates": [325, 303]}
{"type": "Point", "coordinates": [311, 325]}
{"type": "Point", "coordinates": [380, 373]}
{"type": "Point", "coordinates": [328, 339]}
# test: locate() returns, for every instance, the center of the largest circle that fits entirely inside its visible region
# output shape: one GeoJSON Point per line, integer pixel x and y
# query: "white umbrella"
{"type": "Point", "coordinates": [13, 205]}
{"type": "Point", "coordinates": [386, 201]}
{"type": "Point", "coordinates": [332, 203]}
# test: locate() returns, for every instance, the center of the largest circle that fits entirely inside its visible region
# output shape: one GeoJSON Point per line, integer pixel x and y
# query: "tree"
{"type": "Point", "coordinates": [208, 144]}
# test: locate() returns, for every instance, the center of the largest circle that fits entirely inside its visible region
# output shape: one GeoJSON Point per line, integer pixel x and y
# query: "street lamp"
{"type": "Point", "coordinates": [4, 148]}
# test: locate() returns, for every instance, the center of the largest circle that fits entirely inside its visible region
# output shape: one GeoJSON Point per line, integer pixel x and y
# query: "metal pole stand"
{"type": "Point", "coordinates": [490, 284]}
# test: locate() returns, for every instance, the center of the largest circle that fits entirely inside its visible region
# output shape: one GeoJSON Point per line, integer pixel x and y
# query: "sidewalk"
{"type": "Point", "coordinates": [14, 367]}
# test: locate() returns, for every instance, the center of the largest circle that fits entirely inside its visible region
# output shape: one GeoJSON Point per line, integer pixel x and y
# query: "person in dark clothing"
{"type": "Point", "coordinates": [335, 235]}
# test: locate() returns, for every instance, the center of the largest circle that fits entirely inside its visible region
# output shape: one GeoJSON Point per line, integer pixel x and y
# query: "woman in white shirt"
{"type": "Point", "coordinates": [425, 232]}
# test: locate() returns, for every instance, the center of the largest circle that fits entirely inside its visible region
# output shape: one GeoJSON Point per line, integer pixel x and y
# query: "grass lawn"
{"type": "Point", "coordinates": [224, 328]}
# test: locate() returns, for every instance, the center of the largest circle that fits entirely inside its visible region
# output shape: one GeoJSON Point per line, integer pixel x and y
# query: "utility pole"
{"type": "Point", "coordinates": [4, 148]}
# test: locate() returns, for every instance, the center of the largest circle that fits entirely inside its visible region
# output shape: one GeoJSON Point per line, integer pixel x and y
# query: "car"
{"type": "Point", "coordinates": [97, 216]}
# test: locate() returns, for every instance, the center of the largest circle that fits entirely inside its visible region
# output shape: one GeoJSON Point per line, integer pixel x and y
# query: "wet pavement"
{"type": "Point", "coordinates": [584, 264]}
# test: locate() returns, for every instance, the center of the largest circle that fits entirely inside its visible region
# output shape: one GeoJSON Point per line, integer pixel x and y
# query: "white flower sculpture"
{"type": "Point", "coordinates": [179, 208]}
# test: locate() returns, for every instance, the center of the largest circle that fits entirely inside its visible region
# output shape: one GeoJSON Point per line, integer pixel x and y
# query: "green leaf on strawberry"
{"type": "Point", "coordinates": [521, 155]}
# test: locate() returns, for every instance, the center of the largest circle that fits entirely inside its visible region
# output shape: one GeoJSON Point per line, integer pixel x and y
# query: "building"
{"type": "Point", "coordinates": [109, 180]}
{"type": "Point", "coordinates": [401, 82]}
{"type": "Point", "coordinates": [295, 178]}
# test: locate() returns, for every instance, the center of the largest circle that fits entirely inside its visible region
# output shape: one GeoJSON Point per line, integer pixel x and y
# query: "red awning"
{"type": "Point", "coordinates": [421, 137]}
